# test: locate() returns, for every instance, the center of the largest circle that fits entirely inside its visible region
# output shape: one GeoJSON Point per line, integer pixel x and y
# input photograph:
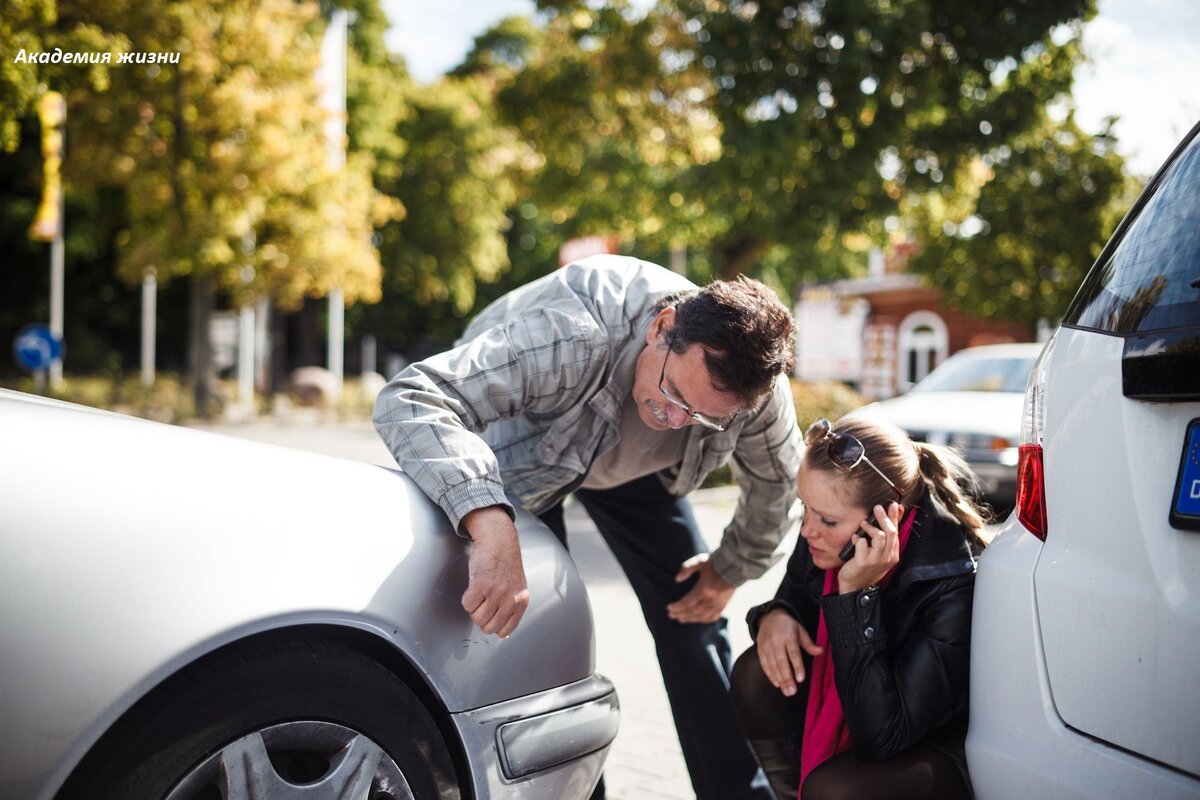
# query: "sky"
{"type": "Point", "coordinates": [1145, 65]}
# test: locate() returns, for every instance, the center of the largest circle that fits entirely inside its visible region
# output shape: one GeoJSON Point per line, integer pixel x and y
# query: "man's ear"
{"type": "Point", "coordinates": [663, 322]}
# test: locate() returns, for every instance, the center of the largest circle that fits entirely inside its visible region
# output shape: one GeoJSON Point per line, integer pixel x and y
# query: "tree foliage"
{"type": "Point", "coordinates": [224, 156]}
{"type": "Point", "coordinates": [30, 29]}
{"type": "Point", "coordinates": [456, 180]}
{"type": "Point", "coordinates": [772, 137]}
{"type": "Point", "coordinates": [221, 157]}
{"type": "Point", "coordinates": [614, 132]}
{"type": "Point", "coordinates": [827, 108]}
{"type": "Point", "coordinates": [1017, 235]}
{"type": "Point", "coordinates": [781, 138]}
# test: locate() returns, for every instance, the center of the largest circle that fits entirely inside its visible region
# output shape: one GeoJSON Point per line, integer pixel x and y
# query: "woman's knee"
{"type": "Point", "coordinates": [831, 781]}
{"type": "Point", "coordinates": [762, 711]}
{"type": "Point", "coordinates": [746, 680]}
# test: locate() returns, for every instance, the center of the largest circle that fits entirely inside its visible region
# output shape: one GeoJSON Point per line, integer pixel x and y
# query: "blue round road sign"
{"type": "Point", "coordinates": [37, 347]}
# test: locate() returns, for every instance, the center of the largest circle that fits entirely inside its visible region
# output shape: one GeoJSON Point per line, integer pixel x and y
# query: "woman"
{"type": "Point", "coordinates": [857, 684]}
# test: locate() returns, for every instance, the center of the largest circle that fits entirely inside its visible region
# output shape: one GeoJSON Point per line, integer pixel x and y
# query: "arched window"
{"type": "Point", "coordinates": [923, 343]}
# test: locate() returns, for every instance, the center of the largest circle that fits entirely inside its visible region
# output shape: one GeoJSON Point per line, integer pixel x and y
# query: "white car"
{"type": "Point", "coordinates": [1086, 634]}
{"type": "Point", "coordinates": [186, 616]}
{"type": "Point", "coordinates": [972, 402]}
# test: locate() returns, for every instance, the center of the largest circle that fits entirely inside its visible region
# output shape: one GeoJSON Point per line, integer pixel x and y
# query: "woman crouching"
{"type": "Point", "coordinates": [856, 686]}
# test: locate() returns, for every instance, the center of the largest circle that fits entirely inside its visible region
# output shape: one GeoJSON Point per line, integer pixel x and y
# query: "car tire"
{"type": "Point", "coordinates": [268, 718]}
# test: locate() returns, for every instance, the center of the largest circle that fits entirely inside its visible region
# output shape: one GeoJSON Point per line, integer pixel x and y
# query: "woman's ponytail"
{"type": "Point", "coordinates": [951, 484]}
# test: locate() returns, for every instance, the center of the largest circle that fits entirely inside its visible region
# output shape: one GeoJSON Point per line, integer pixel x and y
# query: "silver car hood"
{"type": "Point", "coordinates": [129, 548]}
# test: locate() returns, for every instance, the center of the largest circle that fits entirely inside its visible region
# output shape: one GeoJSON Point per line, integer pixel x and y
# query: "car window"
{"type": "Point", "coordinates": [1151, 280]}
{"type": "Point", "coordinates": [979, 375]}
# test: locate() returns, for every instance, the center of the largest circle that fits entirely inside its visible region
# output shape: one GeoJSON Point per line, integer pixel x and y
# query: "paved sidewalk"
{"type": "Point", "coordinates": [645, 762]}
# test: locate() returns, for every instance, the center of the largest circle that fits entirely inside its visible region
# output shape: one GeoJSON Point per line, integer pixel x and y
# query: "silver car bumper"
{"type": "Point", "coordinates": [549, 744]}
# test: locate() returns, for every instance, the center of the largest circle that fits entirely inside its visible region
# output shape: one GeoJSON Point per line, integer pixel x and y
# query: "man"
{"type": "Point", "coordinates": [622, 382]}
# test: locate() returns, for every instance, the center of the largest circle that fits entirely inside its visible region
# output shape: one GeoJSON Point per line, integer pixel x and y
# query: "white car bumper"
{"type": "Point", "coordinates": [1017, 746]}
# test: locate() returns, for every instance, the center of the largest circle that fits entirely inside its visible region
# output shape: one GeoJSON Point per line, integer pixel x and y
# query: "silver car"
{"type": "Point", "coordinates": [186, 615]}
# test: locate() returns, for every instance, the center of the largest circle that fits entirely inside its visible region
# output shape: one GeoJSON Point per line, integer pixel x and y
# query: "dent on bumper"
{"type": "Point", "coordinates": [550, 744]}
{"type": "Point", "coordinates": [537, 743]}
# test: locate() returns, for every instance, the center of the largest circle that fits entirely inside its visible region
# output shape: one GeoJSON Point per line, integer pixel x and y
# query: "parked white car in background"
{"type": "Point", "coordinates": [972, 402]}
{"type": "Point", "coordinates": [1086, 635]}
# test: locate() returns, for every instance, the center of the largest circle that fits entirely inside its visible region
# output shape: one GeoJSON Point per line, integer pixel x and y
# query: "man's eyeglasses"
{"type": "Point", "coordinates": [844, 450]}
{"type": "Point", "coordinates": [675, 401]}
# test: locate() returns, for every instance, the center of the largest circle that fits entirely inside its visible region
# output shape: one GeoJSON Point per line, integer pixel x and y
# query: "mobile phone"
{"type": "Point", "coordinates": [847, 552]}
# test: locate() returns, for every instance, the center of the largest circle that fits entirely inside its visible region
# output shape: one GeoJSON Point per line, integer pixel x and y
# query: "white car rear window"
{"type": "Point", "coordinates": [1151, 280]}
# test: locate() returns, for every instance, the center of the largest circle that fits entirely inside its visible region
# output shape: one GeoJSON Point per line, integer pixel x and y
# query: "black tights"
{"type": "Point", "coordinates": [762, 711]}
{"type": "Point", "coordinates": [922, 772]}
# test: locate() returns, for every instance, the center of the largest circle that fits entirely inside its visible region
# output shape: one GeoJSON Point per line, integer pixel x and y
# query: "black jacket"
{"type": "Point", "coordinates": [901, 654]}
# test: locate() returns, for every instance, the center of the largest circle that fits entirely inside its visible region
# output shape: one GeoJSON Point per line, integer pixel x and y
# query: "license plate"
{"type": "Point", "coordinates": [1185, 506]}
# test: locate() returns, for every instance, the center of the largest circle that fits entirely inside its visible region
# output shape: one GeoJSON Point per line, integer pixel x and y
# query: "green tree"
{"type": "Point", "coordinates": [456, 182]}
{"type": "Point", "coordinates": [34, 35]}
{"type": "Point", "coordinates": [19, 24]}
{"type": "Point", "coordinates": [813, 119]}
{"type": "Point", "coordinates": [101, 317]}
{"type": "Point", "coordinates": [377, 86]}
{"type": "Point", "coordinates": [223, 159]}
{"type": "Point", "coordinates": [827, 108]}
{"type": "Point", "coordinates": [215, 158]}
{"type": "Point", "coordinates": [447, 165]}
{"type": "Point", "coordinates": [612, 127]}
{"type": "Point", "coordinates": [1015, 237]}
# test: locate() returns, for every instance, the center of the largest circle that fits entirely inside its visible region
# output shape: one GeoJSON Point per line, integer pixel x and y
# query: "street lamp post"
{"type": "Point", "coordinates": [50, 220]}
{"type": "Point", "coordinates": [149, 318]}
{"type": "Point", "coordinates": [333, 99]}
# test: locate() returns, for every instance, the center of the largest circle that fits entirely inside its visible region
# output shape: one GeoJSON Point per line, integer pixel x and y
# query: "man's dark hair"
{"type": "Point", "coordinates": [747, 332]}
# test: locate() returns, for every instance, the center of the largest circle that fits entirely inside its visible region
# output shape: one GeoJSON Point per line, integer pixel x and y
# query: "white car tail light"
{"type": "Point", "coordinates": [1031, 476]}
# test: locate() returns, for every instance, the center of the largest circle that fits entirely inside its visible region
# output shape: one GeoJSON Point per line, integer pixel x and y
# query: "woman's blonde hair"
{"type": "Point", "coordinates": [912, 466]}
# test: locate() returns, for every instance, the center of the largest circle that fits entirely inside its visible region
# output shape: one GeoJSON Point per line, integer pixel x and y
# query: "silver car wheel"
{"type": "Point", "coordinates": [277, 717]}
{"type": "Point", "coordinates": [309, 760]}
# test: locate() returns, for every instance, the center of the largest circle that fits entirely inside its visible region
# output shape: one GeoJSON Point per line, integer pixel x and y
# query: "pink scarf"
{"type": "Point", "coordinates": [825, 731]}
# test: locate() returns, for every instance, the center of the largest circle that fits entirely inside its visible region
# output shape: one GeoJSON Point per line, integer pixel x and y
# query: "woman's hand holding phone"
{"type": "Point", "coordinates": [876, 549]}
{"type": "Point", "coordinates": [847, 552]}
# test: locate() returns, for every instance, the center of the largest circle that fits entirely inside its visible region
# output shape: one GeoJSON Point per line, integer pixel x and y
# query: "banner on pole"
{"type": "Point", "coordinates": [52, 112]}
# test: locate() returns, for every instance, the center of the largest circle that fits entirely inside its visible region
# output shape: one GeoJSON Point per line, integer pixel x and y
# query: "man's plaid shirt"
{"type": "Point", "coordinates": [532, 393]}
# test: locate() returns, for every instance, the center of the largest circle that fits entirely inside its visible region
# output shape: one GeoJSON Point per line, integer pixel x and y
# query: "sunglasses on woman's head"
{"type": "Point", "coordinates": [845, 451]}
